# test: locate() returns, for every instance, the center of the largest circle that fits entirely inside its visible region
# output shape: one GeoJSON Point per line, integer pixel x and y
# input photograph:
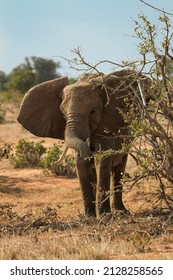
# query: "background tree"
{"type": "Point", "coordinates": [21, 79]}
{"type": "Point", "coordinates": [44, 69]}
{"type": "Point", "coordinates": [33, 71]}
{"type": "Point", "coordinates": [3, 80]}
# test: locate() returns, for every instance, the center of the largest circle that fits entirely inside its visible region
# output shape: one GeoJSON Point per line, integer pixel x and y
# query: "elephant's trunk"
{"type": "Point", "coordinates": [81, 147]}
{"type": "Point", "coordinates": [75, 137]}
{"type": "Point", "coordinates": [83, 170]}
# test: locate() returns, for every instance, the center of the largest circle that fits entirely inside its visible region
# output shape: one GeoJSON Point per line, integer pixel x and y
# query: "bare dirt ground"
{"type": "Point", "coordinates": [41, 217]}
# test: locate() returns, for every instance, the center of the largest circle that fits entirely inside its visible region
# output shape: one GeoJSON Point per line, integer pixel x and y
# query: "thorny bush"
{"type": "Point", "coordinates": [154, 128]}
{"type": "Point", "coordinates": [151, 117]}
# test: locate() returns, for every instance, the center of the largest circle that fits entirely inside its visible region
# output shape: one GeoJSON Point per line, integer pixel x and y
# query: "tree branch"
{"type": "Point", "coordinates": [155, 8]}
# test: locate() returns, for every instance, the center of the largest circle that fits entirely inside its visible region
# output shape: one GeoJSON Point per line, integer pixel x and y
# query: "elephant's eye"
{"type": "Point", "coordinates": [92, 112]}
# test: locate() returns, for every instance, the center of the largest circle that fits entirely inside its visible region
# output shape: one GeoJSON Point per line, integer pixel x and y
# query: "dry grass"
{"type": "Point", "coordinates": [41, 217]}
{"type": "Point", "coordinates": [42, 234]}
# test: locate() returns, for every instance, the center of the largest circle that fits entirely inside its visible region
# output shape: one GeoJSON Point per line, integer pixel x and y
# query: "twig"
{"type": "Point", "coordinates": [162, 187]}
{"type": "Point", "coordinates": [155, 8]}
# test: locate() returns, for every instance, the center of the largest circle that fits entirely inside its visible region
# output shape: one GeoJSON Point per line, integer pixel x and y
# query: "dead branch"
{"type": "Point", "coordinates": [155, 8]}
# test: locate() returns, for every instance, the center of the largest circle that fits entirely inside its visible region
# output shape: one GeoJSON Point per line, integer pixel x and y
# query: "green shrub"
{"type": "Point", "coordinates": [2, 113]}
{"type": "Point", "coordinates": [50, 162]}
{"type": "Point", "coordinates": [5, 149]}
{"type": "Point", "coordinates": [28, 154]}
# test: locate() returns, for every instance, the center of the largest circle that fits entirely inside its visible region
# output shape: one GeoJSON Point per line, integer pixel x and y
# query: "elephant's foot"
{"type": "Point", "coordinates": [121, 207]}
{"type": "Point", "coordinates": [104, 210]}
{"type": "Point", "coordinates": [90, 211]}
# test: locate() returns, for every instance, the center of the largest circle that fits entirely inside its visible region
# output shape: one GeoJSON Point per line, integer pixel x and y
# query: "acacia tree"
{"type": "Point", "coordinates": [151, 123]}
{"type": "Point", "coordinates": [154, 154]}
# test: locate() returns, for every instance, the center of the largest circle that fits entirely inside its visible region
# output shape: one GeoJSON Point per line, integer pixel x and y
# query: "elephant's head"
{"type": "Point", "coordinates": [58, 110]}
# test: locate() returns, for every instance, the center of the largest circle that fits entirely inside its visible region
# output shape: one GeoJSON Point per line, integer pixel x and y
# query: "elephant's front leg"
{"type": "Point", "coordinates": [117, 174]}
{"type": "Point", "coordinates": [84, 173]}
{"type": "Point", "coordinates": [103, 169]}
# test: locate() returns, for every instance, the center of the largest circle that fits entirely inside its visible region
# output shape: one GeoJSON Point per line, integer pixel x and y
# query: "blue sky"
{"type": "Point", "coordinates": [52, 28]}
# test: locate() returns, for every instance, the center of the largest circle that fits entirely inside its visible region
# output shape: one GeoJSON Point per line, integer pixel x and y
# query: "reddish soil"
{"type": "Point", "coordinates": [25, 193]}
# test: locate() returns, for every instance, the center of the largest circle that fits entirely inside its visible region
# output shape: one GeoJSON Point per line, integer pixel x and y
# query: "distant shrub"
{"type": "Point", "coordinates": [1, 118]}
{"type": "Point", "coordinates": [28, 154]}
{"type": "Point", "coordinates": [2, 113]}
{"type": "Point", "coordinates": [5, 149]}
{"type": "Point", "coordinates": [50, 162]}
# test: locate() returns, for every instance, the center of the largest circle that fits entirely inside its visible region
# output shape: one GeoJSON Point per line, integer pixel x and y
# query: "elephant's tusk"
{"type": "Point", "coordinates": [63, 154]}
{"type": "Point", "coordinates": [142, 94]}
{"type": "Point", "coordinates": [88, 142]}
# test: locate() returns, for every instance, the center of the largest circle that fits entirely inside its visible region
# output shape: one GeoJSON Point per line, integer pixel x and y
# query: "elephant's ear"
{"type": "Point", "coordinates": [40, 113]}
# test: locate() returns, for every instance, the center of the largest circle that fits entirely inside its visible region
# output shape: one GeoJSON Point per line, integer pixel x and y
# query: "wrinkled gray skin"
{"type": "Point", "coordinates": [79, 112]}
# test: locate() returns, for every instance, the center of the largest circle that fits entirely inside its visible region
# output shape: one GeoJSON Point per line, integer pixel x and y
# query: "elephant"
{"type": "Point", "coordinates": [88, 116]}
